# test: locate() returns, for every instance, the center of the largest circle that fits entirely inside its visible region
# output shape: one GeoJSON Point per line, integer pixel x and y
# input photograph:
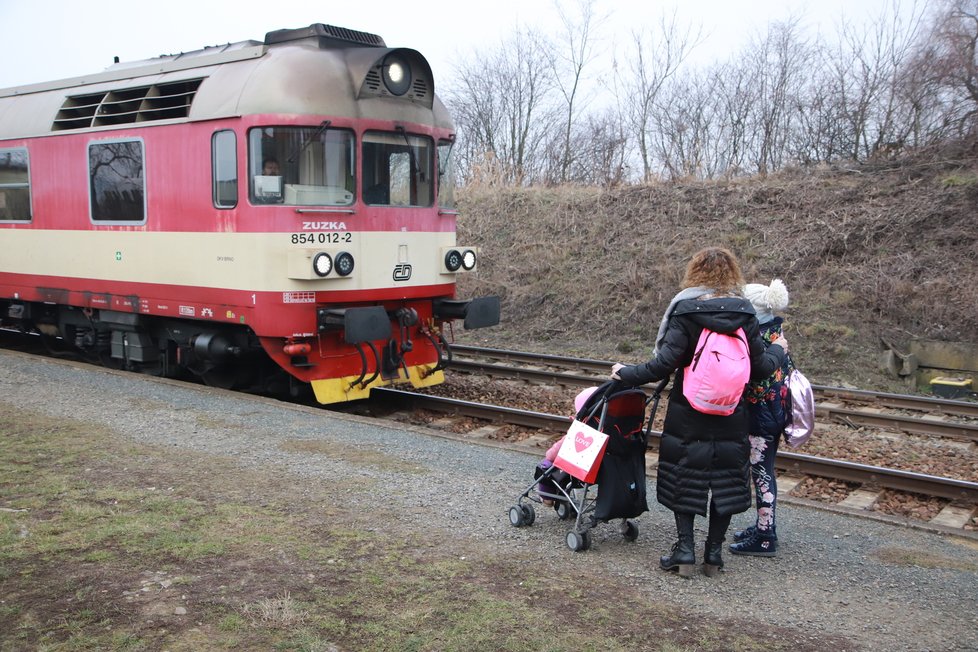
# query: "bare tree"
{"type": "Point", "coordinates": [578, 51]}
{"type": "Point", "coordinates": [651, 61]}
{"type": "Point", "coordinates": [950, 59]}
{"type": "Point", "coordinates": [503, 106]}
{"type": "Point", "coordinates": [775, 64]}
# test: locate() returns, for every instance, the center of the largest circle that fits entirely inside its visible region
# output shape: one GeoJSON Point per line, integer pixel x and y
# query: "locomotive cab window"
{"type": "Point", "coordinates": [446, 174]}
{"type": "Point", "coordinates": [397, 169]}
{"type": "Point", "coordinates": [15, 185]}
{"type": "Point", "coordinates": [301, 166]}
{"type": "Point", "coordinates": [224, 169]}
{"type": "Point", "coordinates": [117, 188]}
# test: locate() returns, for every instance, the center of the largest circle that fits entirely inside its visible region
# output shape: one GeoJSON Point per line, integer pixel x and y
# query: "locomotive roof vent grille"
{"type": "Point", "coordinates": [127, 105]}
{"type": "Point", "coordinates": [420, 88]}
{"type": "Point", "coordinates": [328, 35]}
{"type": "Point", "coordinates": [372, 82]}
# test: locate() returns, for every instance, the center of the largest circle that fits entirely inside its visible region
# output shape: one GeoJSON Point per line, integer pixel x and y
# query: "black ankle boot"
{"type": "Point", "coordinates": [683, 557]}
{"type": "Point", "coordinates": [712, 561]}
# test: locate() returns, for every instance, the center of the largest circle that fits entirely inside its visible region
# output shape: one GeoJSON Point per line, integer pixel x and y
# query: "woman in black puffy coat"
{"type": "Point", "coordinates": [703, 458]}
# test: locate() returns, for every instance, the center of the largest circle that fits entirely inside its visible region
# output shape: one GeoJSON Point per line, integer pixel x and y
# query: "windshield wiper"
{"type": "Point", "coordinates": [323, 126]}
{"type": "Point", "coordinates": [414, 154]}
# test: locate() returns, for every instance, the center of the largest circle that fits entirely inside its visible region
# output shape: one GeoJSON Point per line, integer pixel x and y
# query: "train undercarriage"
{"type": "Point", "coordinates": [228, 356]}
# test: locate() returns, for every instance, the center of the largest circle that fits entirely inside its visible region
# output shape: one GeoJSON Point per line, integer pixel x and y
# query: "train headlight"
{"type": "Point", "coordinates": [322, 264]}
{"type": "Point", "coordinates": [397, 75]}
{"type": "Point", "coordinates": [453, 260]}
{"type": "Point", "coordinates": [468, 259]}
{"type": "Point", "coordinates": [344, 263]}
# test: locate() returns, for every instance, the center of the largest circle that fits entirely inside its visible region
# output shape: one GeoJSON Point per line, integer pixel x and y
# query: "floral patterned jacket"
{"type": "Point", "coordinates": [767, 400]}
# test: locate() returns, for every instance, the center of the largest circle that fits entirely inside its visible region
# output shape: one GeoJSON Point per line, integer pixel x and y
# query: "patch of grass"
{"type": "Point", "coordinates": [921, 558]}
{"type": "Point", "coordinates": [827, 330]}
{"type": "Point", "coordinates": [352, 454]}
{"type": "Point", "coordinates": [959, 180]}
{"type": "Point", "coordinates": [279, 612]}
{"type": "Point", "coordinates": [133, 548]}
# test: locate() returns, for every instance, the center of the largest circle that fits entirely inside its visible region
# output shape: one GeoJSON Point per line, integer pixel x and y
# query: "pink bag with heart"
{"type": "Point", "coordinates": [581, 452]}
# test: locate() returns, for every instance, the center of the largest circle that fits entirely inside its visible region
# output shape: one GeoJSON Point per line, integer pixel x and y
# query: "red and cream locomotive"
{"type": "Point", "coordinates": [264, 215]}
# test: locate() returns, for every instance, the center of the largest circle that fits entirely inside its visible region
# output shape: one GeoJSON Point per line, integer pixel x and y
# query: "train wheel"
{"type": "Point", "coordinates": [224, 377]}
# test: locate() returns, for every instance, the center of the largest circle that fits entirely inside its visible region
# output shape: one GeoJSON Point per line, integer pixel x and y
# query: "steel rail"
{"type": "Point", "coordinates": [864, 474]}
{"type": "Point", "coordinates": [903, 401]}
{"type": "Point", "coordinates": [917, 425]}
{"type": "Point", "coordinates": [603, 367]}
{"type": "Point", "coordinates": [597, 366]}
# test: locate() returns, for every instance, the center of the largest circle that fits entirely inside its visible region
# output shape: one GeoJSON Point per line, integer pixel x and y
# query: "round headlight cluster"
{"type": "Point", "coordinates": [323, 264]}
{"type": "Point", "coordinates": [397, 75]}
{"type": "Point", "coordinates": [455, 259]}
{"type": "Point", "coordinates": [344, 264]}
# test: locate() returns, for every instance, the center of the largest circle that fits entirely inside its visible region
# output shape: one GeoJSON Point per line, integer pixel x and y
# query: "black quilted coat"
{"type": "Point", "coordinates": [702, 453]}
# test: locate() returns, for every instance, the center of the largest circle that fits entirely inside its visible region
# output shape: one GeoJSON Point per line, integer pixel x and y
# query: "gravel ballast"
{"type": "Point", "coordinates": [834, 574]}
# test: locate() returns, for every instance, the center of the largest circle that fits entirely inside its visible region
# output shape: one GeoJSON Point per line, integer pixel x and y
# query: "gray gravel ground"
{"type": "Point", "coordinates": [828, 578]}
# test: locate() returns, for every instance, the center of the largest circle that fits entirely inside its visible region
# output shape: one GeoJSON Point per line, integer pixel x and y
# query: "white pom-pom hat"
{"type": "Point", "coordinates": [767, 299]}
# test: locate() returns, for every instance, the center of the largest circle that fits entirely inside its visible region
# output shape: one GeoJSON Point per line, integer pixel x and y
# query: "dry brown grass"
{"type": "Point", "coordinates": [866, 253]}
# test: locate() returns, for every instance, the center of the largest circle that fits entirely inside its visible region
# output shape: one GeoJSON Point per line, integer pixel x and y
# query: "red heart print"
{"type": "Point", "coordinates": [582, 441]}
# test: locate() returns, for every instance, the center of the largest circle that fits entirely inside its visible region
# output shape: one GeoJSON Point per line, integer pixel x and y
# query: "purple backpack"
{"type": "Point", "coordinates": [714, 381]}
{"type": "Point", "coordinates": [801, 420]}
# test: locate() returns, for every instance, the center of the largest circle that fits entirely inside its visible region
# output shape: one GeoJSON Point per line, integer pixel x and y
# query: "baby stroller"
{"type": "Point", "coordinates": [621, 485]}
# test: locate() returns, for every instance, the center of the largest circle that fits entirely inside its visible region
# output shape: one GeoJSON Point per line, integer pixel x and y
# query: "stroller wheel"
{"type": "Point", "coordinates": [629, 530]}
{"type": "Point", "coordinates": [564, 510]}
{"type": "Point", "coordinates": [529, 514]}
{"type": "Point", "coordinates": [516, 516]}
{"type": "Point", "coordinates": [578, 540]}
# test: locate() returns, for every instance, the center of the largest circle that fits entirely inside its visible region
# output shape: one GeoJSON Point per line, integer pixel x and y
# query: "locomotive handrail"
{"type": "Point", "coordinates": [349, 211]}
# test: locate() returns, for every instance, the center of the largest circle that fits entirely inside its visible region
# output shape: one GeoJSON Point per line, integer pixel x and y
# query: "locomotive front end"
{"type": "Point", "coordinates": [371, 257]}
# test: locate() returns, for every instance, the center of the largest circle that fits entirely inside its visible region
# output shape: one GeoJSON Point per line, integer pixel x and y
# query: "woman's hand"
{"type": "Point", "coordinates": [615, 368]}
{"type": "Point", "coordinates": [783, 342]}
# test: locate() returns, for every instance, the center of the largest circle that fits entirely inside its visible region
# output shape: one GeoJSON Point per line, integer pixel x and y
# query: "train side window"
{"type": "Point", "coordinates": [117, 187]}
{"type": "Point", "coordinates": [15, 185]}
{"type": "Point", "coordinates": [446, 174]}
{"type": "Point", "coordinates": [224, 169]}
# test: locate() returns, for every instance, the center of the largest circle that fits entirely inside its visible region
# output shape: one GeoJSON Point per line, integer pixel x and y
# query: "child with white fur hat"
{"type": "Point", "coordinates": [767, 299]}
{"type": "Point", "coordinates": [768, 410]}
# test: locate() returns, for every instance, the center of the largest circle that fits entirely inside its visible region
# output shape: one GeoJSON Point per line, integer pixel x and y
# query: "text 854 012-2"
{"type": "Point", "coordinates": [321, 238]}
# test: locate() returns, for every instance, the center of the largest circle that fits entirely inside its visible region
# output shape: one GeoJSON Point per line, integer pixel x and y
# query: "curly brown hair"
{"type": "Point", "coordinates": [716, 268]}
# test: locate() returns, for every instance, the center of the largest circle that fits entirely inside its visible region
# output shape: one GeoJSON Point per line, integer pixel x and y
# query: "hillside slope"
{"type": "Point", "coordinates": [867, 253]}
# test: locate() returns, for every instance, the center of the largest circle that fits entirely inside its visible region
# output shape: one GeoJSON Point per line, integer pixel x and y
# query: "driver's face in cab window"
{"type": "Point", "coordinates": [270, 168]}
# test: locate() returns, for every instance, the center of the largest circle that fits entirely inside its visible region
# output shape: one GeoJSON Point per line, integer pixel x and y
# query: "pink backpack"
{"type": "Point", "coordinates": [714, 381]}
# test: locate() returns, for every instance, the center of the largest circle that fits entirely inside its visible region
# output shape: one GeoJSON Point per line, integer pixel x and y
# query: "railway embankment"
{"type": "Point", "coordinates": [874, 256]}
{"type": "Point", "coordinates": [174, 516]}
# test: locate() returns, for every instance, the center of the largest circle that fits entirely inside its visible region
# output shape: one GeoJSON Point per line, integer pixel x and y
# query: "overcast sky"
{"type": "Point", "coordinates": [46, 40]}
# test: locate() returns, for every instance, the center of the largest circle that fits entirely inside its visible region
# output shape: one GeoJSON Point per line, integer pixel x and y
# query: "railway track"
{"type": "Point", "coordinates": [918, 415]}
{"type": "Point", "coordinates": [794, 467]}
{"type": "Point", "coordinates": [555, 425]}
{"type": "Point", "coordinates": [962, 495]}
